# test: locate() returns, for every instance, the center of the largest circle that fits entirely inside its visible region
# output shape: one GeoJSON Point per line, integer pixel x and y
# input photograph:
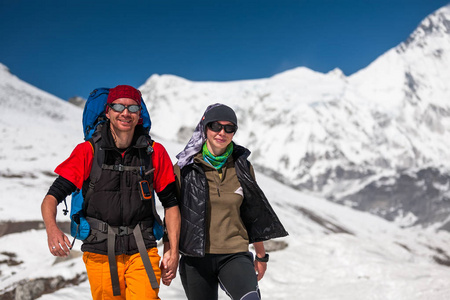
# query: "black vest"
{"type": "Point", "coordinates": [258, 216]}
{"type": "Point", "coordinates": [116, 199]}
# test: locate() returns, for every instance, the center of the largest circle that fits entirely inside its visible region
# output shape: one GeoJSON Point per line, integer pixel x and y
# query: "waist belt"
{"type": "Point", "coordinates": [103, 231]}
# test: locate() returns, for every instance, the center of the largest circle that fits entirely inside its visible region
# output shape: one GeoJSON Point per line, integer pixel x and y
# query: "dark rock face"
{"type": "Point", "coordinates": [13, 227]}
{"type": "Point", "coordinates": [423, 193]}
{"type": "Point", "coordinates": [34, 288]}
{"type": "Point", "coordinates": [77, 101]}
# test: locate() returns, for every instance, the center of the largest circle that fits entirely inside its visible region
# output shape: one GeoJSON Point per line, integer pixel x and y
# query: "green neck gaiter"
{"type": "Point", "coordinates": [216, 161]}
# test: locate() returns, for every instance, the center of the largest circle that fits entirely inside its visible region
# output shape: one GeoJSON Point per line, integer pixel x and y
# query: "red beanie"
{"type": "Point", "coordinates": [124, 91]}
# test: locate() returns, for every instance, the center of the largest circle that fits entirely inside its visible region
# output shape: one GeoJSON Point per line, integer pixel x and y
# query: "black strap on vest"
{"type": "Point", "coordinates": [120, 168]}
{"type": "Point", "coordinates": [95, 173]}
{"type": "Point", "coordinates": [114, 274]}
{"type": "Point", "coordinates": [145, 258]}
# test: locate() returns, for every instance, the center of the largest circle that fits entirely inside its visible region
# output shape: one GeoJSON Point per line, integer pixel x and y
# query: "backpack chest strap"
{"type": "Point", "coordinates": [121, 168]}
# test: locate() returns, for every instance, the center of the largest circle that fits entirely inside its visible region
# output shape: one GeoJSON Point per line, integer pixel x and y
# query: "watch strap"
{"type": "Point", "coordinates": [262, 259]}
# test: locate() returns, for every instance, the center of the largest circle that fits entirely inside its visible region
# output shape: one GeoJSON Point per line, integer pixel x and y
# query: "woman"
{"type": "Point", "coordinates": [222, 211]}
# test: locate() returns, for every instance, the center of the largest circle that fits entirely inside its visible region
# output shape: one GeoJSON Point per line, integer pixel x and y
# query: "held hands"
{"type": "Point", "coordinates": [58, 242]}
{"type": "Point", "coordinates": [169, 265]}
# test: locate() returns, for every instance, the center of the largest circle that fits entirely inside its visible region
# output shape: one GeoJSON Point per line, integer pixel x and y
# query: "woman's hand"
{"type": "Point", "coordinates": [260, 269]}
{"type": "Point", "coordinates": [169, 265]}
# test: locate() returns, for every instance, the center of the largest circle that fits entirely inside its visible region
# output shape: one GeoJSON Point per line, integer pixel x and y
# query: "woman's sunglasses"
{"type": "Point", "coordinates": [217, 127]}
{"type": "Point", "coordinates": [120, 107]}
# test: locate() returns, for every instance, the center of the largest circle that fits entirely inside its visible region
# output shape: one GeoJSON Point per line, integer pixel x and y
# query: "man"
{"type": "Point", "coordinates": [120, 219]}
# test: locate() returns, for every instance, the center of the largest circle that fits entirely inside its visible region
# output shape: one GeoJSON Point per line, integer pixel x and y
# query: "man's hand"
{"type": "Point", "coordinates": [169, 265]}
{"type": "Point", "coordinates": [58, 242]}
{"type": "Point", "coordinates": [171, 256]}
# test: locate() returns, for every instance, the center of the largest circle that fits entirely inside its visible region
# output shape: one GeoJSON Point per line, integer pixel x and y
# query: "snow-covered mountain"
{"type": "Point", "coordinates": [376, 140]}
{"type": "Point", "coordinates": [333, 252]}
{"type": "Point", "coordinates": [25, 107]}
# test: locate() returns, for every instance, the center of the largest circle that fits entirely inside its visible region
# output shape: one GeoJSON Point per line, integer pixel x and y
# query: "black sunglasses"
{"type": "Point", "coordinates": [217, 127]}
{"type": "Point", "coordinates": [120, 107]}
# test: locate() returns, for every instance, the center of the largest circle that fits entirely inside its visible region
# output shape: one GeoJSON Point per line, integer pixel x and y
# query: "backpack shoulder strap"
{"type": "Point", "coordinates": [96, 170]}
{"type": "Point", "coordinates": [149, 151]}
{"type": "Point", "coordinates": [149, 174]}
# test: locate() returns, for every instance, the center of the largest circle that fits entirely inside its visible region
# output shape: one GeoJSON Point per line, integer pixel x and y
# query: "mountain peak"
{"type": "Point", "coordinates": [4, 68]}
{"type": "Point", "coordinates": [336, 135]}
{"type": "Point", "coordinates": [437, 25]}
{"type": "Point", "coordinates": [336, 72]}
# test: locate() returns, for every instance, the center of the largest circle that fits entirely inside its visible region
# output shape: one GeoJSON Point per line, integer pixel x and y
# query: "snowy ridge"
{"type": "Point", "coordinates": [332, 252]}
{"type": "Point", "coordinates": [333, 135]}
{"type": "Point", "coordinates": [368, 140]}
{"type": "Point", "coordinates": [29, 108]}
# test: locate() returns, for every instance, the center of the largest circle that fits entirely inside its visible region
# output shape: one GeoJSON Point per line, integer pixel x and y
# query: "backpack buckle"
{"type": "Point", "coordinates": [118, 168]}
{"type": "Point", "coordinates": [123, 230]}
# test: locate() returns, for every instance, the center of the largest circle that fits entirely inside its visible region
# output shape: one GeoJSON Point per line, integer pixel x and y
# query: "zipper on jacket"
{"type": "Point", "coordinates": [121, 246]}
{"type": "Point", "coordinates": [217, 183]}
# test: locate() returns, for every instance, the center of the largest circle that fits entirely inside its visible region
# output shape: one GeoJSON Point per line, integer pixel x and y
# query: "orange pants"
{"type": "Point", "coordinates": [134, 282]}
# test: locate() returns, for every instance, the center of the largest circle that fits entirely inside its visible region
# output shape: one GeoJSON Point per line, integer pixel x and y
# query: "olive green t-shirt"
{"type": "Point", "coordinates": [225, 230]}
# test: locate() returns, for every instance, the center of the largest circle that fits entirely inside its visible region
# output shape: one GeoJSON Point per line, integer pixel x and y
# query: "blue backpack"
{"type": "Point", "coordinates": [93, 118]}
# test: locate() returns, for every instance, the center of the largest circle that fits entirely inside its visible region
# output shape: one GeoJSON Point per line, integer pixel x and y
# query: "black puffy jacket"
{"type": "Point", "coordinates": [258, 216]}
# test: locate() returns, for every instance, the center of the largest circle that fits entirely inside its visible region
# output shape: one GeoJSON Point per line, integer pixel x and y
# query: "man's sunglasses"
{"type": "Point", "coordinates": [217, 127]}
{"type": "Point", "coordinates": [120, 107]}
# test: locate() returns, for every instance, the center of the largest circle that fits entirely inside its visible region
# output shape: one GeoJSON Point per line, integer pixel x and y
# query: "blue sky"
{"type": "Point", "coordinates": [69, 48]}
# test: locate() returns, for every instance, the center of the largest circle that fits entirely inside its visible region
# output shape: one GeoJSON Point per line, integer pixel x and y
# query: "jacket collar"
{"type": "Point", "coordinates": [140, 138]}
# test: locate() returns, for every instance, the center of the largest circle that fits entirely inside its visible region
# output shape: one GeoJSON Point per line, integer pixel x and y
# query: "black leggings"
{"type": "Point", "coordinates": [235, 273]}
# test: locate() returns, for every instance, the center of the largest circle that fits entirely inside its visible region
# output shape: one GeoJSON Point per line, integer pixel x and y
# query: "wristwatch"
{"type": "Point", "coordinates": [262, 259]}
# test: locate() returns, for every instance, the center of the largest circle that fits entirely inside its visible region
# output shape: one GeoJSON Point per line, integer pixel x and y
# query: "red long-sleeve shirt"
{"type": "Point", "coordinates": [77, 167]}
